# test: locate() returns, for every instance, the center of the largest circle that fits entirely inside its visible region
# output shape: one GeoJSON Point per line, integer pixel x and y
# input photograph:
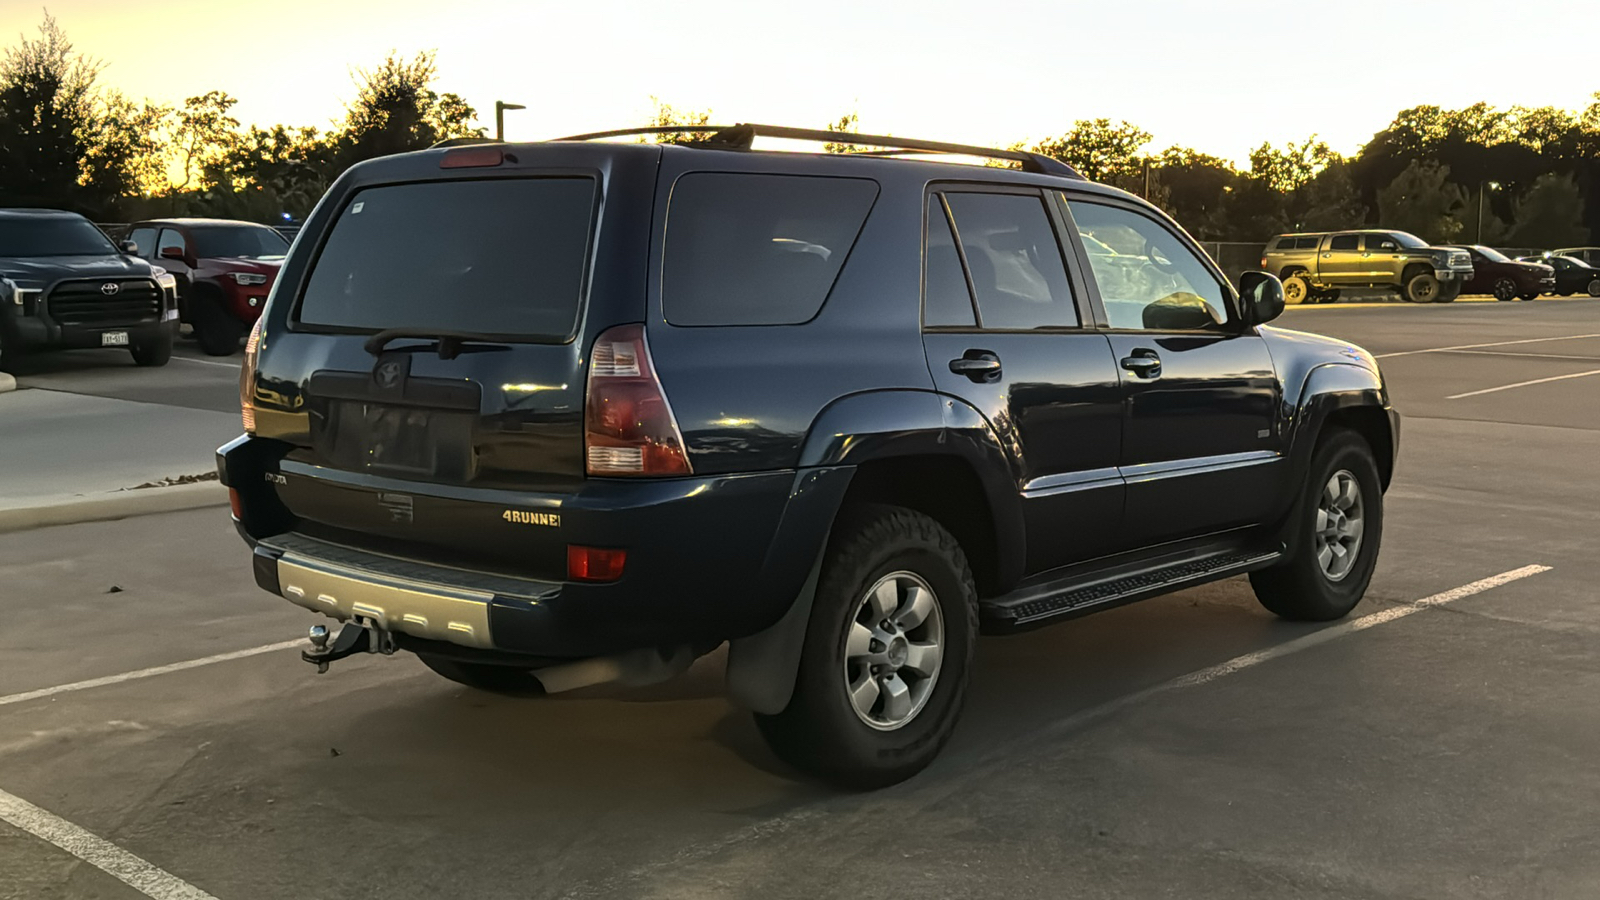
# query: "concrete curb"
{"type": "Point", "coordinates": [120, 505]}
{"type": "Point", "coordinates": [7, 383]}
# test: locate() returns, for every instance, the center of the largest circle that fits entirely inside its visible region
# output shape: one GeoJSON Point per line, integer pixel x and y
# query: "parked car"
{"type": "Point", "coordinates": [65, 285]}
{"type": "Point", "coordinates": [1572, 276]}
{"type": "Point", "coordinates": [1586, 255]}
{"type": "Point", "coordinates": [1315, 267]}
{"type": "Point", "coordinates": [1504, 278]}
{"type": "Point", "coordinates": [224, 269]}
{"type": "Point", "coordinates": [571, 444]}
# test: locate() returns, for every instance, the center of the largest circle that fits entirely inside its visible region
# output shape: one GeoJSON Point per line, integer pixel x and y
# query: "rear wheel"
{"type": "Point", "coordinates": [1528, 296]}
{"type": "Point", "coordinates": [1339, 526]}
{"type": "Point", "coordinates": [1504, 289]}
{"type": "Point", "coordinates": [1594, 288]}
{"type": "Point", "coordinates": [883, 673]}
{"type": "Point", "coordinates": [1296, 289]}
{"type": "Point", "coordinates": [1422, 288]}
{"type": "Point", "coordinates": [495, 679]}
{"type": "Point", "coordinates": [153, 352]}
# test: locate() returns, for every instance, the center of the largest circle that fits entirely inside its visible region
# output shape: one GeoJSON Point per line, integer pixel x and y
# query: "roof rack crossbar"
{"type": "Point", "coordinates": [739, 137]}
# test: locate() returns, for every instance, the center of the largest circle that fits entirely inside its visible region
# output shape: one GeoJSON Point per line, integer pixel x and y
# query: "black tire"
{"type": "Point", "coordinates": [153, 352]}
{"type": "Point", "coordinates": [495, 679]}
{"type": "Point", "coordinates": [1298, 588]}
{"type": "Point", "coordinates": [1328, 296]}
{"type": "Point", "coordinates": [1504, 289]}
{"type": "Point", "coordinates": [1296, 289]}
{"type": "Point", "coordinates": [820, 732]}
{"type": "Point", "coordinates": [1527, 296]}
{"type": "Point", "coordinates": [217, 332]}
{"type": "Point", "coordinates": [1421, 288]}
{"type": "Point", "coordinates": [1448, 293]}
{"type": "Point", "coordinates": [1593, 289]}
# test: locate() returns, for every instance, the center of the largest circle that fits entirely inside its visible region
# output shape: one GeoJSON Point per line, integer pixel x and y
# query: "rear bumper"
{"type": "Point", "coordinates": [709, 559]}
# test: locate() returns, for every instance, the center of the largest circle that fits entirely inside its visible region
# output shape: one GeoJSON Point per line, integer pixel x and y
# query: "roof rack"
{"type": "Point", "coordinates": [742, 136]}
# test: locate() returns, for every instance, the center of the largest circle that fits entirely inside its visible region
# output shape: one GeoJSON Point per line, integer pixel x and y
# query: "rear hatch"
{"type": "Point", "coordinates": [424, 355]}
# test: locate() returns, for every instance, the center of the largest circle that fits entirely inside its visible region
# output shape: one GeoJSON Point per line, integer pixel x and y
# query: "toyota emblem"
{"type": "Point", "coordinates": [110, 288]}
{"type": "Point", "coordinates": [388, 374]}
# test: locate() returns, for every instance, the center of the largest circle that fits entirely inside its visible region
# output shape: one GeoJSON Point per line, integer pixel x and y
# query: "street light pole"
{"type": "Point", "coordinates": [1483, 188]}
{"type": "Point", "coordinates": [500, 108]}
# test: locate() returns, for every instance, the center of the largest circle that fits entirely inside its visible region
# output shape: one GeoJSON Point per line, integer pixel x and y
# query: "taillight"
{"type": "Point", "coordinates": [247, 379]}
{"type": "Point", "coordinates": [1263, 263]}
{"type": "Point", "coordinates": [628, 426]}
{"type": "Point", "coordinates": [235, 504]}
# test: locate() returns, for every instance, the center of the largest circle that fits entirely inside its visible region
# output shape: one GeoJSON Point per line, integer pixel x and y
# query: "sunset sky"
{"type": "Point", "coordinates": [1221, 76]}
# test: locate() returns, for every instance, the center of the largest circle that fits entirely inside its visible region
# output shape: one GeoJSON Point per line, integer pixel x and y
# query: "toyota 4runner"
{"type": "Point", "coordinates": [1315, 267]}
{"type": "Point", "coordinates": [549, 415]}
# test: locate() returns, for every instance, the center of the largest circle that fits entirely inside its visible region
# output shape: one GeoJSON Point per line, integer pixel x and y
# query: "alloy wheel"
{"type": "Point", "coordinates": [1339, 525]}
{"type": "Point", "coordinates": [894, 648]}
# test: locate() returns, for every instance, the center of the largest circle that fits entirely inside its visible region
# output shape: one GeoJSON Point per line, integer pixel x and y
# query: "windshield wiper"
{"type": "Point", "coordinates": [448, 342]}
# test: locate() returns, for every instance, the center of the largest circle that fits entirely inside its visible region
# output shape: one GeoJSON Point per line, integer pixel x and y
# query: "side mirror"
{"type": "Point", "coordinates": [1261, 296]}
{"type": "Point", "coordinates": [128, 248]}
{"type": "Point", "coordinates": [172, 253]}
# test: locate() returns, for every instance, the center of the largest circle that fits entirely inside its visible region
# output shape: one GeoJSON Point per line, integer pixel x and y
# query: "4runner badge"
{"type": "Point", "coordinates": [521, 517]}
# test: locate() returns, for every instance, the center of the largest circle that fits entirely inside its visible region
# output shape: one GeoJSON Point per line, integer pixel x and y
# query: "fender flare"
{"type": "Point", "coordinates": [1327, 389]}
{"type": "Point", "coordinates": [859, 428]}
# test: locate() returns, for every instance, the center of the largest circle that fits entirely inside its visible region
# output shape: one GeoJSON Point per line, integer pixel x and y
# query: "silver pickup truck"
{"type": "Point", "coordinates": [1314, 267]}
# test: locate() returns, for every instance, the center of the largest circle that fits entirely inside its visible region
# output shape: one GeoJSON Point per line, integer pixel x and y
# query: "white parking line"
{"type": "Point", "coordinates": [1507, 387]}
{"type": "Point", "coordinates": [146, 673]}
{"type": "Point", "coordinates": [780, 824]}
{"type": "Point", "coordinates": [97, 851]}
{"type": "Point", "coordinates": [206, 362]}
{"type": "Point", "coordinates": [1569, 337]}
{"type": "Point", "coordinates": [1513, 354]}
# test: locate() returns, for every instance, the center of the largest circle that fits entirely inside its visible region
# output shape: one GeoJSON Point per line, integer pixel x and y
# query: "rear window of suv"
{"type": "Point", "coordinates": [758, 249]}
{"type": "Point", "coordinates": [498, 256]}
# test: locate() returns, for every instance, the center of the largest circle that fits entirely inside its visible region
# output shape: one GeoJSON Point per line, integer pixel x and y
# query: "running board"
{"type": "Point", "coordinates": [1082, 593]}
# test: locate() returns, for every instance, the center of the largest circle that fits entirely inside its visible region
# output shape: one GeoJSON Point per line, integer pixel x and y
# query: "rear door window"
{"type": "Point", "coordinates": [1018, 275]}
{"type": "Point", "coordinates": [499, 256]}
{"type": "Point", "coordinates": [758, 249]}
{"type": "Point", "coordinates": [947, 298]}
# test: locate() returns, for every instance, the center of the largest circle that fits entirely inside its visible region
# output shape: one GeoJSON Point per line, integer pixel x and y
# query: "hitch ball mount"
{"type": "Point", "coordinates": [359, 635]}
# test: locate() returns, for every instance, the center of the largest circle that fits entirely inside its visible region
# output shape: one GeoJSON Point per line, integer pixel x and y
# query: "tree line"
{"type": "Point", "coordinates": [1525, 177]}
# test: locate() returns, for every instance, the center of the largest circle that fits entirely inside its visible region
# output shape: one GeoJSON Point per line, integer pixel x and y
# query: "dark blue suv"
{"type": "Point", "coordinates": [548, 415]}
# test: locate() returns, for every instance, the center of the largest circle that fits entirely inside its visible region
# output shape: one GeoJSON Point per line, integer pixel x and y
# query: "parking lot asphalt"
{"type": "Point", "coordinates": [1190, 746]}
{"type": "Point", "coordinates": [190, 380]}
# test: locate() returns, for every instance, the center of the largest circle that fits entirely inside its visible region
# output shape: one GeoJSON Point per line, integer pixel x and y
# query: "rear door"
{"type": "Point", "coordinates": [1339, 261]}
{"type": "Point", "coordinates": [1004, 330]}
{"type": "Point", "coordinates": [1200, 451]}
{"type": "Point", "coordinates": [407, 446]}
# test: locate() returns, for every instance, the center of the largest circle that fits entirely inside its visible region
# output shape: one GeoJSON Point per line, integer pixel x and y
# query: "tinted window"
{"type": "Point", "coordinates": [1284, 243]}
{"type": "Point", "coordinates": [1345, 242]}
{"type": "Point", "coordinates": [1151, 280]}
{"type": "Point", "coordinates": [1011, 250]}
{"type": "Point", "coordinates": [1375, 243]}
{"type": "Point", "coordinates": [52, 236]}
{"type": "Point", "coordinates": [503, 256]}
{"type": "Point", "coordinates": [1307, 243]}
{"type": "Point", "coordinates": [238, 242]}
{"type": "Point", "coordinates": [170, 238]}
{"type": "Point", "coordinates": [948, 300]}
{"type": "Point", "coordinates": [758, 249]}
{"type": "Point", "coordinates": [145, 238]}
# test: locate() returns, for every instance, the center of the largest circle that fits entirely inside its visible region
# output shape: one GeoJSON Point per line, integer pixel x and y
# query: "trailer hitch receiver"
{"type": "Point", "coordinates": [356, 636]}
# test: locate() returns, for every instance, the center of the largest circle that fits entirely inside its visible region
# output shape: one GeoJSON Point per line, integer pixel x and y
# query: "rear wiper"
{"type": "Point", "coordinates": [448, 342]}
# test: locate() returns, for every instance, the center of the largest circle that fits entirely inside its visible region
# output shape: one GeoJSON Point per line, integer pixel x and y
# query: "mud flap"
{"type": "Point", "coordinates": [762, 667]}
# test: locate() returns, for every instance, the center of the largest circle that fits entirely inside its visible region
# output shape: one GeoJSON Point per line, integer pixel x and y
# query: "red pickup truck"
{"type": "Point", "coordinates": [225, 269]}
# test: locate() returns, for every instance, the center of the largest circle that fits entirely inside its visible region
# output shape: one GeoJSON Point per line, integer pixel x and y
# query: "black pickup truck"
{"type": "Point", "coordinates": [64, 285]}
{"type": "Point", "coordinates": [562, 413]}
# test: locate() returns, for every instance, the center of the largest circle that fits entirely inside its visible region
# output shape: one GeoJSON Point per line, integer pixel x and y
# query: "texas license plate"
{"type": "Point", "coordinates": [113, 339]}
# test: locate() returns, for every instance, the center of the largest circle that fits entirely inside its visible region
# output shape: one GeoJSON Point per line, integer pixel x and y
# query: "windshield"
{"type": "Point", "coordinates": [497, 257]}
{"type": "Point", "coordinates": [238, 241]}
{"type": "Point", "coordinates": [1491, 254]}
{"type": "Point", "coordinates": [52, 236]}
{"type": "Point", "coordinates": [1410, 241]}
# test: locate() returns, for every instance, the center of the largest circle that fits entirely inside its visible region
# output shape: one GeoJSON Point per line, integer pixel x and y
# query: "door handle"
{"type": "Point", "coordinates": [1144, 363]}
{"type": "Point", "coordinates": [978, 365]}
